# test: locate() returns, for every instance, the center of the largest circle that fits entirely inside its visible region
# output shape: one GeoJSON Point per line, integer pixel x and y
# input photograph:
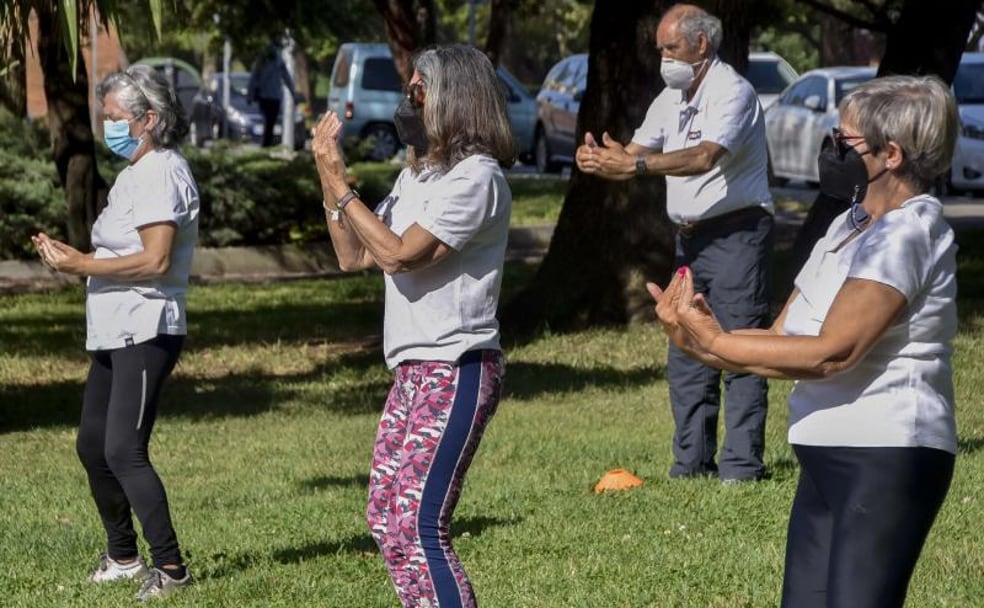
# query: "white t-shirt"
{"type": "Point", "coordinates": [120, 312]}
{"type": "Point", "coordinates": [900, 394]}
{"type": "Point", "coordinates": [726, 111]}
{"type": "Point", "coordinates": [439, 312]}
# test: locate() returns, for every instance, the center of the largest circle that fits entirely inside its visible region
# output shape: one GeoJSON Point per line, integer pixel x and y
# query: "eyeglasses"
{"type": "Point", "coordinates": [416, 93]}
{"type": "Point", "coordinates": [843, 141]}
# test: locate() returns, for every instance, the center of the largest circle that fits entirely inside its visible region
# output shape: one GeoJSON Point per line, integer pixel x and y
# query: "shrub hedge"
{"type": "Point", "coordinates": [248, 197]}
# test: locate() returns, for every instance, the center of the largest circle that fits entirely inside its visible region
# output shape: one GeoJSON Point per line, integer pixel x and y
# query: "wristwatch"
{"type": "Point", "coordinates": [346, 198]}
{"type": "Point", "coordinates": [640, 164]}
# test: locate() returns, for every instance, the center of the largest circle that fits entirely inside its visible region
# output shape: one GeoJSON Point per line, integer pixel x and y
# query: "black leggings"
{"type": "Point", "coordinates": [118, 413]}
{"type": "Point", "coordinates": [858, 524]}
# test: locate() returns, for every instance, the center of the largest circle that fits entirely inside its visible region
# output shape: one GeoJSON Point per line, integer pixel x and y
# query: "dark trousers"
{"type": "Point", "coordinates": [858, 524]}
{"type": "Point", "coordinates": [118, 413]}
{"type": "Point", "coordinates": [270, 108]}
{"type": "Point", "coordinates": [730, 262]}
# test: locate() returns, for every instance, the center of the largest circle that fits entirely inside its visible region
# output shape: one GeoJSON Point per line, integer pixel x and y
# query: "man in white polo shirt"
{"type": "Point", "coordinates": [705, 133]}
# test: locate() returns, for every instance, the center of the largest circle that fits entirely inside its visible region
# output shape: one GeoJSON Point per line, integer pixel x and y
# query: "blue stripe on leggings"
{"type": "Point", "coordinates": [441, 473]}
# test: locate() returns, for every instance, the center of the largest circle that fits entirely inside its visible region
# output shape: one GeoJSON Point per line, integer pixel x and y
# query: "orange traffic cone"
{"type": "Point", "coordinates": [617, 479]}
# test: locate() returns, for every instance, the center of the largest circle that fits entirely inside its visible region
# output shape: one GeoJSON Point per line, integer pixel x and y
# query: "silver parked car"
{"type": "Point", "coordinates": [800, 122]}
{"type": "Point", "coordinates": [366, 89]}
{"type": "Point", "coordinates": [967, 171]}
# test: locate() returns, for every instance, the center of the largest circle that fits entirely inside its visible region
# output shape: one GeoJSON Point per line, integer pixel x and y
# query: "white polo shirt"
{"type": "Point", "coordinates": [726, 111]}
{"type": "Point", "coordinates": [900, 394]}
{"type": "Point", "coordinates": [440, 312]}
{"type": "Point", "coordinates": [121, 312]}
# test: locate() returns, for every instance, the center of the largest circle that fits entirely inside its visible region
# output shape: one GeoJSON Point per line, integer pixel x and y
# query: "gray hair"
{"type": "Point", "coordinates": [464, 106]}
{"type": "Point", "coordinates": [918, 113]}
{"type": "Point", "coordinates": [694, 21]}
{"type": "Point", "coordinates": [141, 88]}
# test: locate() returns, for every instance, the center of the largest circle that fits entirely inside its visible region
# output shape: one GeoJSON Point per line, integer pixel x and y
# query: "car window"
{"type": "Point", "coordinates": [817, 86]}
{"type": "Point", "coordinates": [845, 85]}
{"type": "Point", "coordinates": [968, 84]}
{"type": "Point", "coordinates": [560, 76]}
{"type": "Point", "coordinates": [379, 74]}
{"type": "Point", "coordinates": [797, 93]}
{"type": "Point", "coordinates": [342, 65]}
{"type": "Point", "coordinates": [767, 76]}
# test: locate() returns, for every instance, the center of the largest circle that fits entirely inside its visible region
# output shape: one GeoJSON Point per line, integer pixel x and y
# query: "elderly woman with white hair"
{"type": "Point", "coordinates": [440, 240]}
{"type": "Point", "coordinates": [866, 334]}
{"type": "Point", "coordinates": [135, 321]}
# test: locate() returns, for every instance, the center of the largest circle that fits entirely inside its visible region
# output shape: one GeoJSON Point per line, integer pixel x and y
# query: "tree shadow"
{"type": "Point", "coordinates": [352, 481]}
{"type": "Point", "coordinates": [529, 380]}
{"type": "Point", "coordinates": [244, 394]}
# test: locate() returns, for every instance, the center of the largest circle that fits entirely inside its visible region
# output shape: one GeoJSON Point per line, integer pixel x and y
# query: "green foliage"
{"type": "Point", "coordinates": [31, 198]}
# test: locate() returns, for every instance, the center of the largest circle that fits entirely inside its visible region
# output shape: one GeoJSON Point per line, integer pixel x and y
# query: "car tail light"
{"type": "Point", "coordinates": [349, 110]}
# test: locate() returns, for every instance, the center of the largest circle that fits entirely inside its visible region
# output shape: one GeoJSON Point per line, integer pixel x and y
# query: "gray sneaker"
{"type": "Point", "coordinates": [111, 570]}
{"type": "Point", "coordinates": [160, 584]}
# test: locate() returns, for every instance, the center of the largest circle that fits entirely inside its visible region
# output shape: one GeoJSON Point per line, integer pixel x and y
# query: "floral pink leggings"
{"type": "Point", "coordinates": [431, 426]}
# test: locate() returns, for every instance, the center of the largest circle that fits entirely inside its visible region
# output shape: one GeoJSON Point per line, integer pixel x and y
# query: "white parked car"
{"type": "Point", "coordinates": [967, 171]}
{"type": "Point", "coordinates": [800, 122]}
{"type": "Point", "coordinates": [769, 74]}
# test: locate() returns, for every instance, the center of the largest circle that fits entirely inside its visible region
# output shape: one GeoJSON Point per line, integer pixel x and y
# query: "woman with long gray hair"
{"type": "Point", "coordinates": [135, 321]}
{"type": "Point", "coordinates": [440, 240]}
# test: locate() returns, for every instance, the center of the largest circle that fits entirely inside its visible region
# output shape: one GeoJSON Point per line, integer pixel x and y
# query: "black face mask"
{"type": "Point", "coordinates": [843, 175]}
{"type": "Point", "coordinates": [410, 128]}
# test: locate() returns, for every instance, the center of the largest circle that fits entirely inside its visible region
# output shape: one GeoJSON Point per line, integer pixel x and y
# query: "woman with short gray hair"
{"type": "Point", "coordinates": [135, 322]}
{"type": "Point", "coordinates": [440, 239]}
{"type": "Point", "coordinates": [867, 335]}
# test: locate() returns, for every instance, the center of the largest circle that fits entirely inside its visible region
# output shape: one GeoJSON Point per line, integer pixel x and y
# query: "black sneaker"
{"type": "Point", "coordinates": [160, 584]}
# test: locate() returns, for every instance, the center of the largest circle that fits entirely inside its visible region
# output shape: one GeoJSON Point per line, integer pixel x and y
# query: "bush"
{"type": "Point", "coordinates": [248, 197]}
{"type": "Point", "coordinates": [31, 199]}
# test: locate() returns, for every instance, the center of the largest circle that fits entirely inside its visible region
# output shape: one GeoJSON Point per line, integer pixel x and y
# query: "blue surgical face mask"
{"type": "Point", "coordinates": [116, 134]}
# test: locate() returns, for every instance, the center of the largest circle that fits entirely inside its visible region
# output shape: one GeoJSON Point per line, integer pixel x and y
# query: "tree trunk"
{"type": "Point", "coordinates": [13, 83]}
{"type": "Point", "coordinates": [737, 18]}
{"type": "Point", "coordinates": [610, 236]}
{"type": "Point", "coordinates": [942, 29]}
{"type": "Point", "coordinates": [71, 134]}
{"type": "Point", "coordinates": [407, 29]}
{"type": "Point", "coordinates": [500, 22]}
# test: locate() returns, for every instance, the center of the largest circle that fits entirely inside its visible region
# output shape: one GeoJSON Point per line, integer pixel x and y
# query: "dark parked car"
{"type": "Point", "coordinates": [244, 121]}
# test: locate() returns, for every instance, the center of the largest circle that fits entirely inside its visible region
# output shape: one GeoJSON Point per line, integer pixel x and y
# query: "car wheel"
{"type": "Point", "coordinates": [385, 142]}
{"type": "Point", "coordinates": [541, 153]}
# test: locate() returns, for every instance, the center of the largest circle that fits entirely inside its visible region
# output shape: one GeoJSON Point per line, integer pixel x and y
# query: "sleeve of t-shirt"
{"type": "Point", "coordinates": [466, 200]}
{"type": "Point", "coordinates": [729, 117]}
{"type": "Point", "coordinates": [896, 253]}
{"type": "Point", "coordinates": [651, 133]}
{"type": "Point", "coordinates": [165, 195]}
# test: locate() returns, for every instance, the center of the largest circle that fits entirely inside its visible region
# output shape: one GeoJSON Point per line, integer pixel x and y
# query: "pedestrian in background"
{"type": "Point", "coordinates": [706, 133]}
{"type": "Point", "coordinates": [266, 88]}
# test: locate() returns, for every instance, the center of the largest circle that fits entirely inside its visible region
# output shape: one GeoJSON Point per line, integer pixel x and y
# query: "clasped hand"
{"type": "Point", "coordinates": [685, 316]}
{"type": "Point", "coordinates": [607, 159]}
{"type": "Point", "coordinates": [57, 255]}
{"type": "Point", "coordinates": [328, 156]}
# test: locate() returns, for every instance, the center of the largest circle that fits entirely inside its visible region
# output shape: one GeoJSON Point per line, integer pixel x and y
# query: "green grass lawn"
{"type": "Point", "coordinates": [265, 440]}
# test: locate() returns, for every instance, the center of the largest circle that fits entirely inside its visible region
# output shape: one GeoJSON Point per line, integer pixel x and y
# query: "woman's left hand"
{"type": "Point", "coordinates": [57, 255]}
{"type": "Point", "coordinates": [328, 156]}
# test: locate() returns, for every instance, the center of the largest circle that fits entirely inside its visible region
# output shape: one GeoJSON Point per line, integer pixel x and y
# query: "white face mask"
{"type": "Point", "coordinates": [679, 74]}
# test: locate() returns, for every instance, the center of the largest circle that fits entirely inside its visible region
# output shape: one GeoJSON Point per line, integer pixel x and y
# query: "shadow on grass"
{"type": "Point", "coordinates": [529, 380]}
{"type": "Point", "coordinates": [244, 394]}
{"type": "Point", "coordinates": [969, 445]}
{"type": "Point", "coordinates": [363, 544]}
{"type": "Point", "coordinates": [320, 483]}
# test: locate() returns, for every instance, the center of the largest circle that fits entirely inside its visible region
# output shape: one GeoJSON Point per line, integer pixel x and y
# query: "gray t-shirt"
{"type": "Point", "coordinates": [439, 312]}
{"type": "Point", "coordinates": [121, 312]}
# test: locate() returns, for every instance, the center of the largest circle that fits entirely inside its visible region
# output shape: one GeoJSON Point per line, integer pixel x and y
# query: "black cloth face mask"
{"type": "Point", "coordinates": [410, 128]}
{"type": "Point", "coordinates": [844, 176]}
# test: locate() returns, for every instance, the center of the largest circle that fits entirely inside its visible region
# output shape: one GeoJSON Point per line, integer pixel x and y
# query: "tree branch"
{"type": "Point", "coordinates": [881, 25]}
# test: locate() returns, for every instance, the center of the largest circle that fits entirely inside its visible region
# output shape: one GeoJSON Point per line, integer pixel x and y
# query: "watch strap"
{"type": "Point", "coordinates": [346, 199]}
{"type": "Point", "coordinates": [640, 164]}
